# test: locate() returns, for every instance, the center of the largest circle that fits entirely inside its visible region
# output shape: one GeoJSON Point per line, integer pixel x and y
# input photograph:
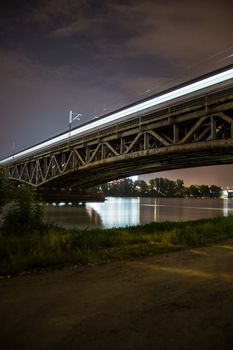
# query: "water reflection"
{"type": "Point", "coordinates": [117, 212]}
{"type": "Point", "coordinates": [82, 217]}
{"type": "Point", "coordinates": [120, 212]}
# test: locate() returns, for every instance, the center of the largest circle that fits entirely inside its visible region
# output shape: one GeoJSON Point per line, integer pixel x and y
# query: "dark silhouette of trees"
{"type": "Point", "coordinates": [20, 213]}
{"type": "Point", "coordinates": [194, 191]}
{"type": "Point", "coordinates": [158, 187]}
{"type": "Point", "coordinates": [215, 191]}
{"type": "Point", "coordinates": [6, 190]}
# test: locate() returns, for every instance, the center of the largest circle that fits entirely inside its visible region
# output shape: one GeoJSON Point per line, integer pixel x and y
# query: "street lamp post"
{"type": "Point", "coordinates": [72, 117]}
{"type": "Point", "coordinates": [13, 150]}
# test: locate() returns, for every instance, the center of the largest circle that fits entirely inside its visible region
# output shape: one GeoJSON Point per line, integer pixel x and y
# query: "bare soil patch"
{"type": "Point", "coordinates": [178, 300]}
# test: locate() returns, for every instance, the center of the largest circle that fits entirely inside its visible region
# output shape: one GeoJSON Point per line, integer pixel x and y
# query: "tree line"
{"type": "Point", "coordinates": [158, 187]}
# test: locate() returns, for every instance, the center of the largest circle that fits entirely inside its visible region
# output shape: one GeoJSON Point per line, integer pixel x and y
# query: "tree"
{"type": "Point", "coordinates": [141, 188]}
{"type": "Point", "coordinates": [20, 212]}
{"type": "Point", "coordinates": [159, 187]}
{"type": "Point", "coordinates": [204, 191]}
{"type": "Point", "coordinates": [126, 187]}
{"type": "Point", "coordinates": [23, 215]}
{"type": "Point", "coordinates": [5, 190]}
{"type": "Point", "coordinates": [153, 187]}
{"type": "Point", "coordinates": [194, 191]}
{"type": "Point", "coordinates": [215, 191]}
{"type": "Point", "coordinates": [164, 187]}
{"type": "Point", "coordinates": [180, 188]}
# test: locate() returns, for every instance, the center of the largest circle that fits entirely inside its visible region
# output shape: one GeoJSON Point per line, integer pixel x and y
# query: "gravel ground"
{"type": "Point", "coordinates": [179, 300]}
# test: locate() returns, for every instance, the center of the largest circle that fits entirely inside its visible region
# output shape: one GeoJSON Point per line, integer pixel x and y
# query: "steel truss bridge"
{"type": "Point", "coordinates": [193, 133]}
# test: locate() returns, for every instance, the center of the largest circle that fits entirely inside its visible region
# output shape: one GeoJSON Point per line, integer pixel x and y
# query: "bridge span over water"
{"type": "Point", "coordinates": [187, 126]}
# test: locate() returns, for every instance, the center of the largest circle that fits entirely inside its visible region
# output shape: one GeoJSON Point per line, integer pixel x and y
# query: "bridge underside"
{"type": "Point", "coordinates": [177, 158]}
{"type": "Point", "coordinates": [195, 133]}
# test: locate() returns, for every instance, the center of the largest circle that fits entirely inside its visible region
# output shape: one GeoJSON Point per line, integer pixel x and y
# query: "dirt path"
{"type": "Point", "coordinates": [181, 300]}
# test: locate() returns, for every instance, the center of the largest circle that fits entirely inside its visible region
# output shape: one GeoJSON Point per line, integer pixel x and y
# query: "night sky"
{"type": "Point", "coordinates": [94, 56]}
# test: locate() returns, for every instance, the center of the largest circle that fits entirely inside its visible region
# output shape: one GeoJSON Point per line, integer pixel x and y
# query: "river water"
{"type": "Point", "coordinates": [121, 212]}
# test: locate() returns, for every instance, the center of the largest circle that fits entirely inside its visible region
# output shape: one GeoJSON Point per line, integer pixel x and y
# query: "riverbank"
{"type": "Point", "coordinates": [57, 247]}
{"type": "Point", "coordinates": [180, 300]}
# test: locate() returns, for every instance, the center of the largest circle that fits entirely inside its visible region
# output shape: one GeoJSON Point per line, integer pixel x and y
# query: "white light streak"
{"type": "Point", "coordinates": [169, 96]}
{"type": "Point", "coordinates": [133, 178]}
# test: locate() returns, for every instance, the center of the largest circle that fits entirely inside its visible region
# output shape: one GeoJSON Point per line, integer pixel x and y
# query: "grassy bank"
{"type": "Point", "coordinates": [56, 247]}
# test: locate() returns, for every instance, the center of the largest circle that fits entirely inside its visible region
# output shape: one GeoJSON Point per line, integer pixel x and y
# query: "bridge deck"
{"type": "Point", "coordinates": [191, 133]}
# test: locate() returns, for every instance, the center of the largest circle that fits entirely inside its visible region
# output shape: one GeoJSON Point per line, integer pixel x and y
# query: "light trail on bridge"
{"type": "Point", "coordinates": [158, 100]}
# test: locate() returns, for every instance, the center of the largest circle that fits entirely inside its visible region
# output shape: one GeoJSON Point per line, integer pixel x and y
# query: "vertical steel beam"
{"type": "Point", "coordinates": [87, 154]}
{"type": "Point", "coordinates": [146, 141]}
{"type": "Point", "coordinates": [175, 133]}
{"type": "Point", "coordinates": [212, 128]}
{"type": "Point", "coordinates": [122, 146]}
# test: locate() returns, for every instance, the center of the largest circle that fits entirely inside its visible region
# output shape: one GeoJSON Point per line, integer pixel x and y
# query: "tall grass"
{"type": "Point", "coordinates": [57, 247]}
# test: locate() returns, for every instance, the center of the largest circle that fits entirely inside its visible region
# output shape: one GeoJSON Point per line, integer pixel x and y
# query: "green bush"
{"type": "Point", "coordinates": [5, 188]}
{"type": "Point", "coordinates": [23, 215]}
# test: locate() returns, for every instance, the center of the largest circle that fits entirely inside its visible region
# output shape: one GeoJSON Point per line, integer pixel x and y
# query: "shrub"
{"type": "Point", "coordinates": [23, 215]}
{"type": "Point", "coordinates": [5, 188]}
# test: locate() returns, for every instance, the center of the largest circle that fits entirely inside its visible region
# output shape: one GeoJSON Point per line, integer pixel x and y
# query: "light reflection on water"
{"type": "Point", "coordinates": [120, 212]}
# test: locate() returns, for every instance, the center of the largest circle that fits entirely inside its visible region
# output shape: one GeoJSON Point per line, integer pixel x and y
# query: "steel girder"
{"type": "Point", "coordinates": [198, 132]}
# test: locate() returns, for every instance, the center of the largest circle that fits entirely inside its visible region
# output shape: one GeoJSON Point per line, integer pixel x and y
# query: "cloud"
{"type": "Point", "coordinates": [50, 10]}
{"type": "Point", "coordinates": [74, 28]}
{"type": "Point", "coordinates": [176, 31]}
{"type": "Point", "coordinates": [86, 54]}
{"type": "Point", "coordinates": [35, 99]}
